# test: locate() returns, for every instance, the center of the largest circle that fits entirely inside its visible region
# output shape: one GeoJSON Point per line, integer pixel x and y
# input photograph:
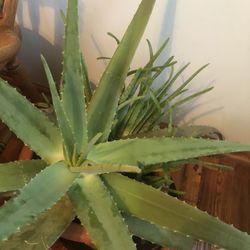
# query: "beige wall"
{"type": "Point", "coordinates": [214, 31]}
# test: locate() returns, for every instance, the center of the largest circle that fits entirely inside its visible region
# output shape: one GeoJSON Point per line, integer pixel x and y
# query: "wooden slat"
{"type": "Point", "coordinates": [225, 194]}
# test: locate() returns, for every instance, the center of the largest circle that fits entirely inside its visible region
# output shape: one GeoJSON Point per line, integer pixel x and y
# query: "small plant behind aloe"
{"type": "Point", "coordinates": [158, 103]}
{"type": "Point", "coordinates": [79, 174]}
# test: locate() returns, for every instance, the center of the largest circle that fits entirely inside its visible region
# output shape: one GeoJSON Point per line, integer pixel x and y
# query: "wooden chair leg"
{"type": "Point", "coordinates": [8, 13]}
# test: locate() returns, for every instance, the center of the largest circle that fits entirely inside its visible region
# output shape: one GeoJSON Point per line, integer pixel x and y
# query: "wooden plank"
{"type": "Point", "coordinates": [188, 180]}
{"type": "Point", "coordinates": [227, 194]}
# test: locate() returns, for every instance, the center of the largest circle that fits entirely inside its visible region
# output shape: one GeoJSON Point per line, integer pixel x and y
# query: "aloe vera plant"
{"type": "Point", "coordinates": [79, 173]}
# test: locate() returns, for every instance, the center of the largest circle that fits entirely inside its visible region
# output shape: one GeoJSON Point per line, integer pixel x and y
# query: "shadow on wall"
{"type": "Point", "coordinates": [181, 115]}
{"type": "Point", "coordinates": [167, 31]}
{"type": "Point", "coordinates": [34, 44]}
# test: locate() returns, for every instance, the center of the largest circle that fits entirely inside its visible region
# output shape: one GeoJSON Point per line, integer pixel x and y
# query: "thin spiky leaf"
{"type": "Point", "coordinates": [183, 85]}
{"type": "Point", "coordinates": [114, 37]}
{"type": "Point", "coordinates": [15, 175]}
{"type": "Point", "coordinates": [159, 69]}
{"type": "Point", "coordinates": [133, 116]}
{"type": "Point", "coordinates": [151, 52]}
{"type": "Point", "coordinates": [131, 120]}
{"type": "Point", "coordinates": [99, 214]}
{"type": "Point", "coordinates": [30, 124]}
{"type": "Point", "coordinates": [131, 88]}
{"type": "Point", "coordinates": [63, 122]}
{"type": "Point", "coordinates": [129, 102]}
{"type": "Point", "coordinates": [92, 168]}
{"type": "Point", "coordinates": [171, 80]}
{"type": "Point", "coordinates": [152, 107]}
{"type": "Point", "coordinates": [158, 235]}
{"type": "Point", "coordinates": [194, 131]}
{"type": "Point", "coordinates": [156, 150]}
{"type": "Point", "coordinates": [158, 53]}
{"type": "Point", "coordinates": [190, 98]}
{"type": "Point", "coordinates": [140, 200]}
{"type": "Point", "coordinates": [103, 58]}
{"type": "Point", "coordinates": [172, 166]}
{"type": "Point", "coordinates": [162, 90]}
{"type": "Point", "coordinates": [44, 231]}
{"type": "Point", "coordinates": [74, 79]}
{"type": "Point", "coordinates": [152, 114]}
{"type": "Point", "coordinates": [87, 84]}
{"type": "Point", "coordinates": [114, 76]}
{"type": "Point", "coordinates": [155, 101]}
{"type": "Point", "coordinates": [123, 114]}
{"type": "Point", "coordinates": [40, 194]}
{"type": "Point", "coordinates": [63, 16]}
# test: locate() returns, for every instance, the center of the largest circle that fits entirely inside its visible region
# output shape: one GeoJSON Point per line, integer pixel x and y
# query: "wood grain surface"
{"type": "Point", "coordinates": [225, 194]}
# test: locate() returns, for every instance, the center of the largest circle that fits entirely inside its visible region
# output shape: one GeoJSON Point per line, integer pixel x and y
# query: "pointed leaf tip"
{"type": "Point", "coordinates": [74, 79]}
{"type": "Point", "coordinates": [115, 74]}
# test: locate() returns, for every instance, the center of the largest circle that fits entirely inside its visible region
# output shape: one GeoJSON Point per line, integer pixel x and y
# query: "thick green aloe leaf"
{"type": "Point", "coordinates": [155, 150]}
{"type": "Point", "coordinates": [30, 124]}
{"type": "Point", "coordinates": [140, 200]}
{"type": "Point", "coordinates": [158, 235]}
{"type": "Point", "coordinates": [62, 119]}
{"type": "Point", "coordinates": [73, 79]}
{"type": "Point", "coordinates": [44, 231]}
{"type": "Point", "coordinates": [103, 104]}
{"type": "Point", "coordinates": [99, 214]}
{"type": "Point", "coordinates": [40, 194]}
{"type": "Point", "coordinates": [15, 175]}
